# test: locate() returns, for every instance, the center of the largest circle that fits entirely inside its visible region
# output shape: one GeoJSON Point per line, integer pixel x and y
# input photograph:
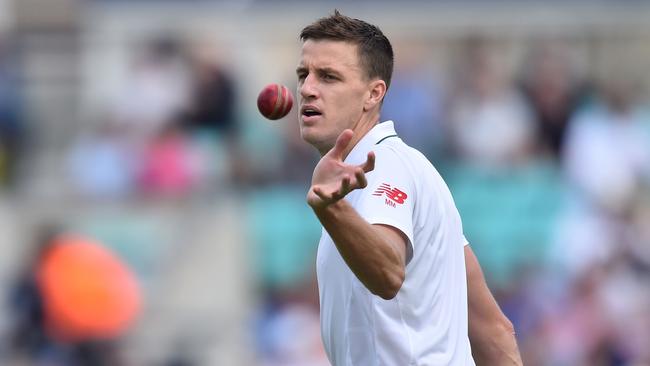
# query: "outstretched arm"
{"type": "Point", "coordinates": [376, 254]}
{"type": "Point", "coordinates": [491, 334]}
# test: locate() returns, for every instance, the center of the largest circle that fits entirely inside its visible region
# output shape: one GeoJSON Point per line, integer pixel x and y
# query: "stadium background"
{"type": "Point", "coordinates": [133, 123]}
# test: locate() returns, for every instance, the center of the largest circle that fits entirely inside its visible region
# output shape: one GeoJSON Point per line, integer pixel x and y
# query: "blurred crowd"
{"type": "Point", "coordinates": [550, 169]}
{"type": "Point", "coordinates": [549, 164]}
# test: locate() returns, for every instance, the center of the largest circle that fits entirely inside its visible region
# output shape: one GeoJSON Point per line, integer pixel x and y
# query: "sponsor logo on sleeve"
{"type": "Point", "coordinates": [393, 195]}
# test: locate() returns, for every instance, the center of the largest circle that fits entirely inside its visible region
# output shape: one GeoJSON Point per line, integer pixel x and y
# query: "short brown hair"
{"type": "Point", "coordinates": [375, 51]}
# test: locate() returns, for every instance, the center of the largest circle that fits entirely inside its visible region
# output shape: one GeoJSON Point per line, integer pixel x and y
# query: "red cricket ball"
{"type": "Point", "coordinates": [275, 101]}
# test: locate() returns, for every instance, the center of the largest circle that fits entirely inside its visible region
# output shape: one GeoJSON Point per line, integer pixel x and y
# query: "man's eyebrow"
{"type": "Point", "coordinates": [328, 70]}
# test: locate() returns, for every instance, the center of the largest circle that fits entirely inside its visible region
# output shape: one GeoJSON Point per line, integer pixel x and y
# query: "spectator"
{"type": "Point", "coordinates": [156, 91]}
{"type": "Point", "coordinates": [415, 100]}
{"type": "Point", "coordinates": [172, 164]}
{"type": "Point", "coordinates": [554, 93]}
{"type": "Point", "coordinates": [608, 147]}
{"type": "Point", "coordinates": [490, 122]}
{"type": "Point", "coordinates": [212, 104]}
{"type": "Point", "coordinates": [11, 122]}
{"type": "Point", "coordinates": [28, 338]}
{"type": "Point", "coordinates": [102, 164]}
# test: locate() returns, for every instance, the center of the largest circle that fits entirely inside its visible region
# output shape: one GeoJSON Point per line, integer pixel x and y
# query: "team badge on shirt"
{"type": "Point", "coordinates": [392, 193]}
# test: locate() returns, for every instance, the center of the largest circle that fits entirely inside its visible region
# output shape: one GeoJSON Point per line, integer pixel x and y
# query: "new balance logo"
{"type": "Point", "coordinates": [394, 194]}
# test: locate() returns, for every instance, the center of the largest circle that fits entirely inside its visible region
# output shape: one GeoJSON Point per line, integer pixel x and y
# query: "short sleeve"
{"type": "Point", "coordinates": [389, 197]}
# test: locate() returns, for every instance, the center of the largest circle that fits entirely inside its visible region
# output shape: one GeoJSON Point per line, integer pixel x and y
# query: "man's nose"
{"type": "Point", "coordinates": [308, 88]}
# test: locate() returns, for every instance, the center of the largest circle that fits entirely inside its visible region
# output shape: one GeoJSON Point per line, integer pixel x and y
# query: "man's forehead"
{"type": "Point", "coordinates": [328, 54]}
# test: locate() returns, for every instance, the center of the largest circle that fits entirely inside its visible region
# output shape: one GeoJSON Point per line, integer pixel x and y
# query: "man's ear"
{"type": "Point", "coordinates": [377, 92]}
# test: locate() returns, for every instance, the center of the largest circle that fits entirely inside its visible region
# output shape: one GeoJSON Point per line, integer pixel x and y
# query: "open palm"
{"type": "Point", "coordinates": [333, 179]}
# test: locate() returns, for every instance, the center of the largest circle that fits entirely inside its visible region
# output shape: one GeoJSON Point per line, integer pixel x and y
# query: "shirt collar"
{"type": "Point", "coordinates": [360, 151]}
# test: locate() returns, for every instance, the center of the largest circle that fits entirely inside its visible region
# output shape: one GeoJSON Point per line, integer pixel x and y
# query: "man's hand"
{"type": "Point", "coordinates": [333, 179]}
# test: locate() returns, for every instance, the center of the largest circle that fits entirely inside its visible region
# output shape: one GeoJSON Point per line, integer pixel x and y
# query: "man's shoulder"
{"type": "Point", "coordinates": [398, 151]}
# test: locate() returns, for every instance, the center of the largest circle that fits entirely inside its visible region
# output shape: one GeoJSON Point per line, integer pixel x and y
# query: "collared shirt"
{"type": "Point", "coordinates": [426, 322]}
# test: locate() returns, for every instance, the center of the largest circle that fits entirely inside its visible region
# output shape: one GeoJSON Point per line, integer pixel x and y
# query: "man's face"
{"type": "Point", "coordinates": [331, 91]}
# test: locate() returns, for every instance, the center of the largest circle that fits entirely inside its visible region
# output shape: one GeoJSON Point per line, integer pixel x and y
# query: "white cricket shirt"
{"type": "Point", "coordinates": [426, 323]}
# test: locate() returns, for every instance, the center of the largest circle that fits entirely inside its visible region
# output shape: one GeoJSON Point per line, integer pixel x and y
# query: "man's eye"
{"type": "Point", "coordinates": [329, 77]}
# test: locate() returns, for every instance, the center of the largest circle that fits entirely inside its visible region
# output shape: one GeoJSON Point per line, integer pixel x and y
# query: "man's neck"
{"type": "Point", "coordinates": [360, 130]}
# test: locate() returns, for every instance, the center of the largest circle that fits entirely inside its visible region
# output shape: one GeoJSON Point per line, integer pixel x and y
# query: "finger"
{"type": "Point", "coordinates": [369, 165]}
{"type": "Point", "coordinates": [345, 186]}
{"type": "Point", "coordinates": [341, 144]}
{"type": "Point", "coordinates": [319, 192]}
{"type": "Point", "coordinates": [361, 178]}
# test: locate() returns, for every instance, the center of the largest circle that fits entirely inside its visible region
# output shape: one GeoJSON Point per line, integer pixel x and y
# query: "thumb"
{"type": "Point", "coordinates": [341, 144]}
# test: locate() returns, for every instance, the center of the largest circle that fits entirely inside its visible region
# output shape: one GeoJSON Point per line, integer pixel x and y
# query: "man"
{"type": "Point", "coordinates": [391, 265]}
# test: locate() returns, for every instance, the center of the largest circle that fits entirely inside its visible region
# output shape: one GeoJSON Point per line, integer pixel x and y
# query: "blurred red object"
{"type": "Point", "coordinates": [88, 293]}
{"type": "Point", "coordinates": [169, 164]}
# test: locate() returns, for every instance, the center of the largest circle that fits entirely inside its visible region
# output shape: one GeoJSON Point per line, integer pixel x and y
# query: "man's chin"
{"type": "Point", "coordinates": [308, 135]}
{"type": "Point", "coordinates": [319, 142]}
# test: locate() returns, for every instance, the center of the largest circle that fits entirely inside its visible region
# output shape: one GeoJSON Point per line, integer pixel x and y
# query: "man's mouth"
{"type": "Point", "coordinates": [309, 111]}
